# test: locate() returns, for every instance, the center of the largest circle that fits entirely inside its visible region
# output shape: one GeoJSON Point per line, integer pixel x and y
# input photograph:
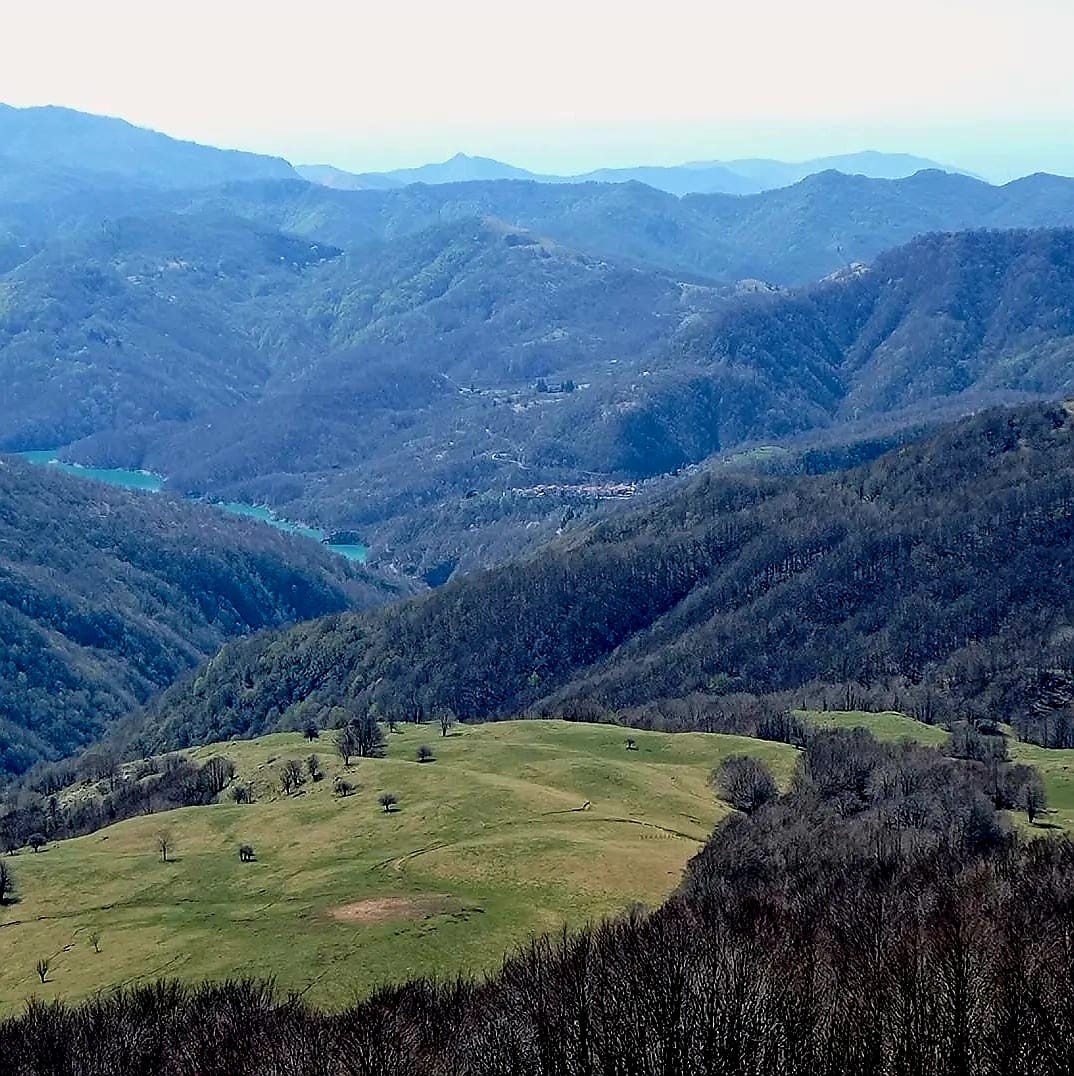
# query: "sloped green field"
{"type": "Point", "coordinates": [489, 845]}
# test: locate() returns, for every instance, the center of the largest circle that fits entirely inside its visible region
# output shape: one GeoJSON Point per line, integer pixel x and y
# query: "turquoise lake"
{"type": "Point", "coordinates": [153, 483]}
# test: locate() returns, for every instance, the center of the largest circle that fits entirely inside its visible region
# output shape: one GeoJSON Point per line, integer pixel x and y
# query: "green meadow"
{"type": "Point", "coordinates": [489, 845]}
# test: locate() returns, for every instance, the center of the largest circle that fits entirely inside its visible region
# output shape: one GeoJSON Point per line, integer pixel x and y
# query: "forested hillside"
{"type": "Point", "coordinates": [452, 394]}
{"type": "Point", "coordinates": [948, 321]}
{"type": "Point", "coordinates": [106, 596]}
{"type": "Point", "coordinates": [939, 574]}
{"type": "Point", "coordinates": [160, 318]}
{"type": "Point", "coordinates": [788, 236]}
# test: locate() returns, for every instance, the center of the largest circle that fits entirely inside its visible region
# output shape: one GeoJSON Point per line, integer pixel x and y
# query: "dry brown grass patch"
{"type": "Point", "coordinates": [390, 909]}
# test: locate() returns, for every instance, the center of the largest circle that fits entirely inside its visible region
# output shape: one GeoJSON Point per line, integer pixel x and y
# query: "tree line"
{"type": "Point", "coordinates": [38, 806]}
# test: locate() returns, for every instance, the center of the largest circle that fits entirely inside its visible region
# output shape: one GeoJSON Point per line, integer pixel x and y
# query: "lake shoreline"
{"type": "Point", "coordinates": [142, 481]}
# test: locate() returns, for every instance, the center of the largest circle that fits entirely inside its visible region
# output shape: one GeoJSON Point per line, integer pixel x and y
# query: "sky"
{"type": "Point", "coordinates": [565, 85]}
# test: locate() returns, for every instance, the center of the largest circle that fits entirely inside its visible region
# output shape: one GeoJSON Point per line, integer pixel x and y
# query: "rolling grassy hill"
{"type": "Point", "coordinates": [489, 845]}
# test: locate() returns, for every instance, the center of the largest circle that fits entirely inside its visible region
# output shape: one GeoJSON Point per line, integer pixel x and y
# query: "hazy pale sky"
{"type": "Point", "coordinates": [565, 85]}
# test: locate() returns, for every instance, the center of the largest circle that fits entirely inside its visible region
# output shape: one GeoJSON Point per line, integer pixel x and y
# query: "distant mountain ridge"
{"type": "Point", "coordinates": [788, 236]}
{"type": "Point", "coordinates": [747, 176]}
{"type": "Point", "coordinates": [63, 139]}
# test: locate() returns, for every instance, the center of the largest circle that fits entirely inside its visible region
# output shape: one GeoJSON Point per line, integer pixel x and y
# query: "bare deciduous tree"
{"type": "Point", "coordinates": [745, 782]}
{"type": "Point", "coordinates": [217, 772]}
{"type": "Point", "coordinates": [347, 743]}
{"type": "Point", "coordinates": [290, 776]}
{"type": "Point", "coordinates": [41, 967]}
{"type": "Point", "coordinates": [446, 718]}
{"type": "Point", "coordinates": [368, 737]}
{"type": "Point", "coordinates": [165, 844]}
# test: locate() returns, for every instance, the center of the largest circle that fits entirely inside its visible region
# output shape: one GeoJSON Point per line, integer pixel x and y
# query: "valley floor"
{"type": "Point", "coordinates": [488, 846]}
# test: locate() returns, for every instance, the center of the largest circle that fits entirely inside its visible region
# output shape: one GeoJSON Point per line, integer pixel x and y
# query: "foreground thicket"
{"type": "Point", "coordinates": [877, 919]}
{"type": "Point", "coordinates": [936, 579]}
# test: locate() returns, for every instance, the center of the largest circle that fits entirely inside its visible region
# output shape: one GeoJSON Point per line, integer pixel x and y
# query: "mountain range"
{"type": "Point", "coordinates": [747, 176]}
{"type": "Point", "coordinates": [455, 372]}
{"type": "Point", "coordinates": [399, 391]}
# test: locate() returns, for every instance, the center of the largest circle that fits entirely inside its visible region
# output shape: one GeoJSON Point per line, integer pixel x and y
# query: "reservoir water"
{"type": "Point", "coordinates": [153, 483]}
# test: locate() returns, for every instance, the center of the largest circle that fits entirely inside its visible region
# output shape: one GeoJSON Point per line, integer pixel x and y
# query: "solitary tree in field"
{"type": "Point", "coordinates": [1033, 798]}
{"type": "Point", "coordinates": [95, 940]}
{"type": "Point", "coordinates": [425, 753]}
{"type": "Point", "coordinates": [387, 800]}
{"type": "Point", "coordinates": [165, 844]}
{"type": "Point", "coordinates": [290, 776]}
{"type": "Point", "coordinates": [312, 732]}
{"type": "Point", "coordinates": [347, 744]}
{"type": "Point", "coordinates": [342, 787]}
{"type": "Point", "coordinates": [313, 768]}
{"type": "Point", "coordinates": [745, 783]}
{"type": "Point", "coordinates": [446, 717]}
{"type": "Point", "coordinates": [37, 841]}
{"type": "Point", "coordinates": [7, 883]}
{"type": "Point", "coordinates": [631, 744]}
{"type": "Point", "coordinates": [246, 853]}
{"type": "Point", "coordinates": [41, 967]}
{"type": "Point", "coordinates": [367, 736]}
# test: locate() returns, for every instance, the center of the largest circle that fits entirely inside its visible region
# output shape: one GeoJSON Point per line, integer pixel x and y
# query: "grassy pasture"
{"type": "Point", "coordinates": [488, 846]}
